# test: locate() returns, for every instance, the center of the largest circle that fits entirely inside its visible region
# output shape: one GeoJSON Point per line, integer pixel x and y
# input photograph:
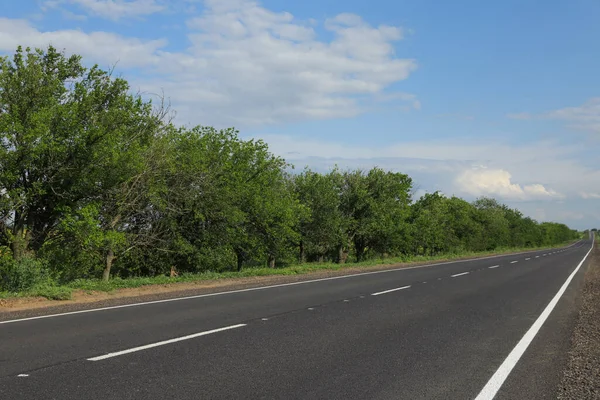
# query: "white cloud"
{"type": "Point", "coordinates": [488, 153]}
{"type": "Point", "coordinates": [497, 182]}
{"type": "Point", "coordinates": [409, 98]}
{"type": "Point", "coordinates": [544, 170]}
{"type": "Point", "coordinates": [245, 65]}
{"type": "Point", "coordinates": [111, 9]}
{"type": "Point", "coordinates": [73, 16]}
{"type": "Point", "coordinates": [101, 47]}
{"type": "Point", "coordinates": [585, 117]}
{"type": "Point", "coordinates": [249, 65]}
{"type": "Point", "coordinates": [586, 195]}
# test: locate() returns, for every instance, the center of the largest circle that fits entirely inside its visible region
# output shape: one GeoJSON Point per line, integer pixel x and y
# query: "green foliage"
{"type": "Point", "coordinates": [22, 274]}
{"type": "Point", "coordinates": [78, 242]}
{"type": "Point", "coordinates": [96, 182]}
{"type": "Point", "coordinates": [375, 207]}
{"type": "Point", "coordinates": [51, 292]}
{"type": "Point", "coordinates": [321, 224]}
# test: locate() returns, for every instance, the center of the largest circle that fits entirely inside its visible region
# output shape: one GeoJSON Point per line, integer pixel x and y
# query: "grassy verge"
{"type": "Point", "coordinates": [64, 292]}
{"type": "Point", "coordinates": [49, 291]}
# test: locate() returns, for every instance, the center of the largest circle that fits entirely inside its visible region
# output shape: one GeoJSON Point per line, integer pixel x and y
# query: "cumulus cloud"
{"type": "Point", "coordinates": [544, 171]}
{"type": "Point", "coordinates": [249, 65]}
{"type": "Point", "coordinates": [245, 65]}
{"type": "Point", "coordinates": [497, 182]}
{"type": "Point", "coordinates": [101, 47]}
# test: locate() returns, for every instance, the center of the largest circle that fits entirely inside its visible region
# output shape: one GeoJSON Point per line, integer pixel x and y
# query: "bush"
{"type": "Point", "coordinates": [23, 274]}
{"type": "Point", "coordinates": [51, 292]}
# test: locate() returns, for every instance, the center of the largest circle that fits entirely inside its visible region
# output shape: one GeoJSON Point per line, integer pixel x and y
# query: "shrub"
{"type": "Point", "coordinates": [23, 274]}
{"type": "Point", "coordinates": [51, 292]}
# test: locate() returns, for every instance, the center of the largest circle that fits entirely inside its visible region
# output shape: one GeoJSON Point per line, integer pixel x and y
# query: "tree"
{"type": "Point", "coordinates": [431, 221]}
{"type": "Point", "coordinates": [495, 231]}
{"type": "Point", "coordinates": [232, 200]}
{"type": "Point", "coordinates": [68, 136]}
{"type": "Point", "coordinates": [466, 229]}
{"type": "Point", "coordinates": [322, 223]}
{"type": "Point", "coordinates": [375, 206]}
{"type": "Point", "coordinates": [95, 181]}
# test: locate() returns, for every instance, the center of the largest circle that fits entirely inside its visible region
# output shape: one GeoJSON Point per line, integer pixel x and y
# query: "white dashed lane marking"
{"type": "Point", "coordinates": [390, 291]}
{"type": "Point", "coordinates": [164, 342]}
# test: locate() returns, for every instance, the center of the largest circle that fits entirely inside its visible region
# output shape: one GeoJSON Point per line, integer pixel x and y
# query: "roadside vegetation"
{"type": "Point", "coordinates": [99, 189]}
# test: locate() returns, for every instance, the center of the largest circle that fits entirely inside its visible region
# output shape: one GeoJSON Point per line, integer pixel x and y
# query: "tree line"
{"type": "Point", "coordinates": [97, 181]}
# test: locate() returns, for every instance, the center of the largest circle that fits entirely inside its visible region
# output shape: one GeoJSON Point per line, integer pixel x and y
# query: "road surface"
{"type": "Point", "coordinates": [434, 332]}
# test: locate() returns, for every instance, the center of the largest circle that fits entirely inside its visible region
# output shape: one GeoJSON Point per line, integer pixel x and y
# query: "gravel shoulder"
{"type": "Point", "coordinates": [581, 377]}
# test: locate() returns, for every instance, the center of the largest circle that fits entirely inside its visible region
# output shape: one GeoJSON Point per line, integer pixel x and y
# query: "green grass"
{"type": "Point", "coordinates": [52, 292]}
{"type": "Point", "coordinates": [64, 292]}
{"type": "Point", "coordinates": [49, 291]}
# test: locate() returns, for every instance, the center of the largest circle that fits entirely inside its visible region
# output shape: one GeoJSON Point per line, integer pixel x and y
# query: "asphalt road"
{"type": "Point", "coordinates": [433, 332]}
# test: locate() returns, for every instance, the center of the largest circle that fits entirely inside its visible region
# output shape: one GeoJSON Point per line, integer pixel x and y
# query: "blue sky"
{"type": "Point", "coordinates": [468, 97]}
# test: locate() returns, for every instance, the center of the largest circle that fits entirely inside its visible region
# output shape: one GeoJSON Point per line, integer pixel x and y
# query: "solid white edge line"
{"type": "Point", "coordinates": [493, 266]}
{"type": "Point", "coordinates": [149, 346]}
{"type": "Point", "coordinates": [461, 274]}
{"type": "Point", "coordinates": [260, 288]}
{"type": "Point", "coordinates": [497, 380]}
{"type": "Point", "coordinates": [390, 291]}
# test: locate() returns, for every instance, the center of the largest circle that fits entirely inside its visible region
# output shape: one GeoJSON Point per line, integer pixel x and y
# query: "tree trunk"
{"type": "Point", "coordinates": [271, 261]}
{"type": "Point", "coordinates": [240, 260]}
{"type": "Point", "coordinates": [341, 255]}
{"type": "Point", "coordinates": [359, 248]}
{"type": "Point", "coordinates": [110, 256]}
{"type": "Point", "coordinates": [20, 243]}
{"type": "Point", "coordinates": [302, 253]}
{"type": "Point", "coordinates": [321, 258]}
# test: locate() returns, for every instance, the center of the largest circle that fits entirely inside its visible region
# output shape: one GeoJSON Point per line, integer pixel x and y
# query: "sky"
{"type": "Point", "coordinates": [471, 98]}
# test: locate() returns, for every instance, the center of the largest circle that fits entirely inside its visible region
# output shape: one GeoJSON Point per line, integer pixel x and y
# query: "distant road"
{"type": "Point", "coordinates": [489, 327]}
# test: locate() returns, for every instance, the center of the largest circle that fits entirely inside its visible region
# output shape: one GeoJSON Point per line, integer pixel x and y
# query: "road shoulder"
{"type": "Point", "coordinates": [539, 372]}
{"type": "Point", "coordinates": [581, 375]}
